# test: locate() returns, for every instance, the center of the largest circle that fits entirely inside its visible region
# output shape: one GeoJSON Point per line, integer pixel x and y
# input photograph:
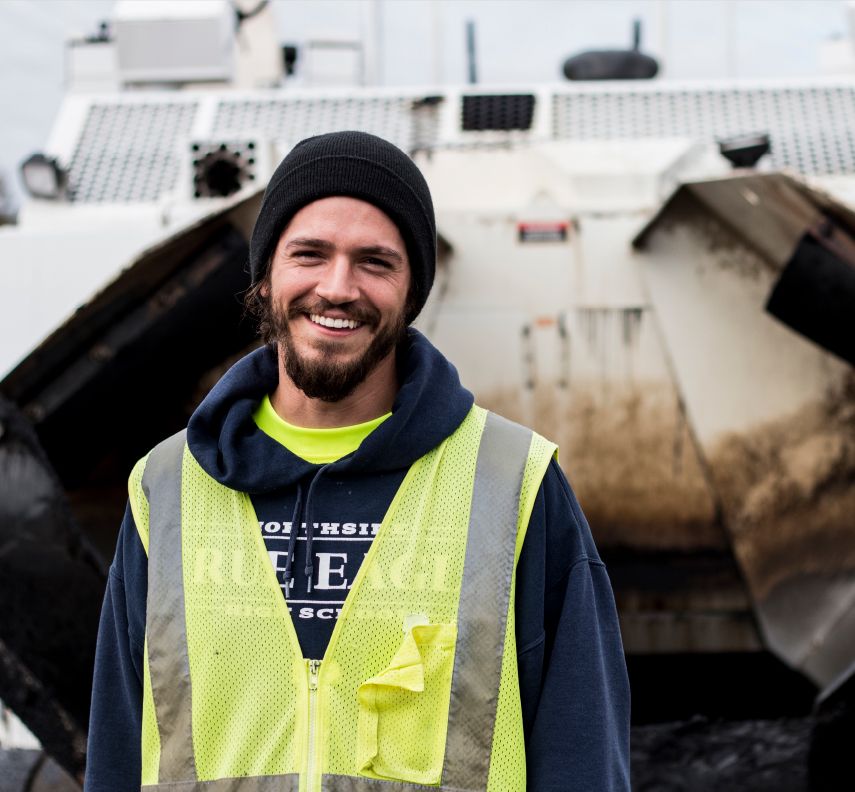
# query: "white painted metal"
{"type": "Point", "coordinates": [62, 255]}
{"type": "Point", "coordinates": [176, 42]}
{"type": "Point", "coordinates": [13, 733]}
{"type": "Point", "coordinates": [91, 66]}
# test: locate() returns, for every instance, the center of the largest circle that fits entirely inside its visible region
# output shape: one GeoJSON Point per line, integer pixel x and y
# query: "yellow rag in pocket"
{"type": "Point", "coordinates": [403, 710]}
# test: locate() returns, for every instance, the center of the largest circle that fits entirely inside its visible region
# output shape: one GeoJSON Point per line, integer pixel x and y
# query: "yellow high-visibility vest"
{"type": "Point", "coordinates": [418, 686]}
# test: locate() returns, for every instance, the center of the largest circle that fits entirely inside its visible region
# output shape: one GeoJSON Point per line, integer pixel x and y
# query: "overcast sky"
{"type": "Point", "coordinates": [529, 40]}
{"type": "Point", "coordinates": [423, 42]}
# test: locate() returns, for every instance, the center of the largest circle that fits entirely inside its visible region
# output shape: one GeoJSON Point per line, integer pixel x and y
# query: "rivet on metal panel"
{"type": "Point", "coordinates": [564, 362]}
{"type": "Point", "coordinates": [750, 196]}
{"type": "Point", "coordinates": [528, 356]}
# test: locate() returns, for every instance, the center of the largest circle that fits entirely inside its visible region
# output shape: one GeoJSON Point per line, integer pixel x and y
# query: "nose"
{"type": "Point", "coordinates": [337, 283]}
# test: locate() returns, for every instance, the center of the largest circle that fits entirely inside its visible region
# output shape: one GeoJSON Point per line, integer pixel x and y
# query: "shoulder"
{"type": "Point", "coordinates": [506, 436]}
{"type": "Point", "coordinates": [558, 538]}
{"type": "Point", "coordinates": [512, 456]}
{"type": "Point", "coordinates": [162, 462]}
{"type": "Point", "coordinates": [138, 501]}
{"type": "Point", "coordinates": [564, 520]}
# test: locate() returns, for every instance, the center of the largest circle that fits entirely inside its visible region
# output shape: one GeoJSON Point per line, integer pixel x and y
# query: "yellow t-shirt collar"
{"type": "Point", "coordinates": [318, 446]}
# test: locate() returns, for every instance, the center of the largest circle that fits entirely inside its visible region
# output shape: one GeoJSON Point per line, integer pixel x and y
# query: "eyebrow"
{"type": "Point", "coordinates": [369, 250]}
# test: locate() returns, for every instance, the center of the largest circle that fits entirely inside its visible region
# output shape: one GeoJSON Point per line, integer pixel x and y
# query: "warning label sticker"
{"type": "Point", "coordinates": [551, 231]}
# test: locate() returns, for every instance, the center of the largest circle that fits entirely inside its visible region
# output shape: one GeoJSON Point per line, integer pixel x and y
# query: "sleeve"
{"type": "Point", "coordinates": [115, 721]}
{"type": "Point", "coordinates": [573, 680]}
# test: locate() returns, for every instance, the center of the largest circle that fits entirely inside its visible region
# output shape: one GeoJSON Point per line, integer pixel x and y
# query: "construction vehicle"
{"type": "Point", "coordinates": [679, 321]}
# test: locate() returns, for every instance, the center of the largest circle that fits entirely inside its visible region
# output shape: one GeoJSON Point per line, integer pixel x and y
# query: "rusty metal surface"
{"type": "Point", "coordinates": [630, 459]}
{"type": "Point", "coordinates": [629, 451]}
{"type": "Point", "coordinates": [789, 490]}
{"type": "Point", "coordinates": [774, 414]}
{"type": "Point", "coordinates": [789, 487]}
{"type": "Point", "coordinates": [768, 212]}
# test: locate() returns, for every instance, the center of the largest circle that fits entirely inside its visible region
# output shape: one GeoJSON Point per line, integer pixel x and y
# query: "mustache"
{"type": "Point", "coordinates": [359, 312]}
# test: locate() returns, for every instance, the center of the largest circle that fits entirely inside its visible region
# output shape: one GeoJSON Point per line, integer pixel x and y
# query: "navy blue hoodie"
{"type": "Point", "coordinates": [573, 684]}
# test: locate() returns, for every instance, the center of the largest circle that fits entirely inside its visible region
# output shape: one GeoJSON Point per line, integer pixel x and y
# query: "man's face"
{"type": "Point", "coordinates": [339, 281]}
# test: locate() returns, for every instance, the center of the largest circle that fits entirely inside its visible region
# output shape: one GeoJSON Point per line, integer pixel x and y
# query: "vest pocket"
{"type": "Point", "coordinates": [403, 711]}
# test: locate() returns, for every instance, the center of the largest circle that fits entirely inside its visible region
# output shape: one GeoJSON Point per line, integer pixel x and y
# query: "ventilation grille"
{"type": "Point", "coordinates": [294, 119]}
{"type": "Point", "coordinates": [497, 112]}
{"type": "Point", "coordinates": [812, 128]}
{"type": "Point", "coordinates": [128, 152]}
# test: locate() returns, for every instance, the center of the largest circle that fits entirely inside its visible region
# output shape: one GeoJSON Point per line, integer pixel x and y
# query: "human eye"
{"type": "Point", "coordinates": [306, 255]}
{"type": "Point", "coordinates": [376, 262]}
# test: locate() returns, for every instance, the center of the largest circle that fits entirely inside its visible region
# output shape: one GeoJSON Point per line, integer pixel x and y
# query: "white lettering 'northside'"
{"type": "Point", "coordinates": [273, 527]}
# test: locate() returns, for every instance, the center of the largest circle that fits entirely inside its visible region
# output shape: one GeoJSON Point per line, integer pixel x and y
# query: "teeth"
{"type": "Point", "coordinates": [325, 321]}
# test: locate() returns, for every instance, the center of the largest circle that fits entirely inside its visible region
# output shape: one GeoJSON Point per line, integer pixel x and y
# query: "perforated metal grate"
{"type": "Point", "coordinates": [294, 119]}
{"type": "Point", "coordinates": [128, 152]}
{"type": "Point", "coordinates": [131, 150]}
{"type": "Point", "coordinates": [497, 111]}
{"type": "Point", "coordinates": [812, 128]}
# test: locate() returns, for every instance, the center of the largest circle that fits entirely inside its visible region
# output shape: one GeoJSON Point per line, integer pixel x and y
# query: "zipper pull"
{"type": "Point", "coordinates": [314, 668]}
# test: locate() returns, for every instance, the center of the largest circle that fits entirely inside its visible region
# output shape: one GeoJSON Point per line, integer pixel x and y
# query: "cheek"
{"type": "Point", "coordinates": [390, 293]}
{"type": "Point", "coordinates": [285, 286]}
{"type": "Point", "coordinates": [391, 301]}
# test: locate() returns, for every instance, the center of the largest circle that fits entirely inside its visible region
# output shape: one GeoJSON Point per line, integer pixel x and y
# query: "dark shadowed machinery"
{"type": "Point", "coordinates": [684, 331]}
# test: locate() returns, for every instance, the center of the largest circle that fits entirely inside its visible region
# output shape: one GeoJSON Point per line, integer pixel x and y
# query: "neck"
{"type": "Point", "coordinates": [372, 398]}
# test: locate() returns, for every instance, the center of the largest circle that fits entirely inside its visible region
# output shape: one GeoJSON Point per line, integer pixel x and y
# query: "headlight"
{"type": "Point", "coordinates": [43, 177]}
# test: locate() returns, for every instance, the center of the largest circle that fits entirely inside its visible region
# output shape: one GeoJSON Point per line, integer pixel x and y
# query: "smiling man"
{"type": "Point", "coordinates": [345, 576]}
{"type": "Point", "coordinates": [337, 285]}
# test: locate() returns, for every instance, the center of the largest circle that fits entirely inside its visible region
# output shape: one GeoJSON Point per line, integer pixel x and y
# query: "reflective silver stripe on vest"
{"type": "Point", "coordinates": [338, 783]}
{"type": "Point", "coordinates": [166, 625]}
{"type": "Point", "coordinates": [282, 783]}
{"type": "Point", "coordinates": [484, 600]}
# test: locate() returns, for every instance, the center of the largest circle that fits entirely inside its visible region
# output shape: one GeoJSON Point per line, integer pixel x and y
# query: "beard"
{"type": "Point", "coordinates": [325, 377]}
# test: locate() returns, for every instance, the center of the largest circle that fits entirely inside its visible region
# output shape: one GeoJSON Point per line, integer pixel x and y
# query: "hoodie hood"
{"type": "Point", "coordinates": [224, 439]}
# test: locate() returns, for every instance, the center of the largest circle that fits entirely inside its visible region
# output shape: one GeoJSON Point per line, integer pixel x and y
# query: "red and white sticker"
{"type": "Point", "coordinates": [543, 231]}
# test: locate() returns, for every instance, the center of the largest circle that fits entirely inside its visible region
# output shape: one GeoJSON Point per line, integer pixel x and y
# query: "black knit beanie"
{"type": "Point", "coordinates": [357, 165]}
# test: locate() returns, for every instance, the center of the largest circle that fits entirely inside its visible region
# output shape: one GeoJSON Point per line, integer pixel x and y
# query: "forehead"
{"type": "Point", "coordinates": [347, 219]}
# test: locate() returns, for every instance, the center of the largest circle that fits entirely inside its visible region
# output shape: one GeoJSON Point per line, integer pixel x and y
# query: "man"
{"type": "Point", "coordinates": [450, 621]}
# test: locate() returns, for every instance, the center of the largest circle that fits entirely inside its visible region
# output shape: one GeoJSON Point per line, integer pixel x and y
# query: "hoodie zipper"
{"type": "Point", "coordinates": [314, 667]}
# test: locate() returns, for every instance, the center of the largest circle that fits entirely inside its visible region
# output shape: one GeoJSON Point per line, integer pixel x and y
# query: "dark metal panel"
{"type": "Point", "coordinates": [815, 296]}
{"type": "Point", "coordinates": [51, 589]}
